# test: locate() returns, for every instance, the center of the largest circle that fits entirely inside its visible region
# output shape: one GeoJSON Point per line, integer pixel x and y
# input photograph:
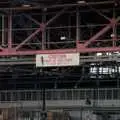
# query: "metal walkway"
{"type": "Point", "coordinates": [66, 98]}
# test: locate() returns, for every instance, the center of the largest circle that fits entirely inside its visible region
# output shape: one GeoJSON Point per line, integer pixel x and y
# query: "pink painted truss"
{"type": "Point", "coordinates": [80, 47]}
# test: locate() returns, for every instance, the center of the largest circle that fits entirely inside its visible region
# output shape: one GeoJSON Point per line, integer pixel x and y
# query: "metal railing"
{"type": "Point", "coordinates": [61, 94]}
{"type": "Point", "coordinates": [83, 59]}
{"type": "Point", "coordinates": [100, 58]}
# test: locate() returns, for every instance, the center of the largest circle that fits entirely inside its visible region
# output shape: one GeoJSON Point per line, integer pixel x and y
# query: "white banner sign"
{"type": "Point", "coordinates": [51, 60]}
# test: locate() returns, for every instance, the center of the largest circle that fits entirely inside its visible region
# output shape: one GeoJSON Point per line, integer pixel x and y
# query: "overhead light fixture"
{"type": "Point", "coordinates": [99, 54]}
{"type": "Point", "coordinates": [112, 35]}
{"type": "Point", "coordinates": [75, 86]}
{"type": "Point", "coordinates": [62, 38]}
{"type": "Point", "coordinates": [81, 2]}
{"type": "Point", "coordinates": [26, 5]}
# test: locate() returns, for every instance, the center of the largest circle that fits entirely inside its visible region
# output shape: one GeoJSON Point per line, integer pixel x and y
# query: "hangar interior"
{"type": "Point", "coordinates": [41, 89]}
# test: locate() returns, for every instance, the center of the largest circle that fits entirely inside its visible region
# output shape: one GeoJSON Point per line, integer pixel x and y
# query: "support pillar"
{"type": "Point", "coordinates": [114, 29]}
{"type": "Point", "coordinates": [118, 82]}
{"type": "Point", "coordinates": [77, 24]}
{"type": "Point", "coordinates": [43, 112]}
{"type": "Point", "coordinates": [10, 30]}
{"type": "Point", "coordinates": [69, 29]}
{"type": "Point", "coordinates": [3, 30]}
{"type": "Point", "coordinates": [15, 113]}
{"type": "Point", "coordinates": [48, 38]}
{"type": "Point", "coordinates": [44, 31]}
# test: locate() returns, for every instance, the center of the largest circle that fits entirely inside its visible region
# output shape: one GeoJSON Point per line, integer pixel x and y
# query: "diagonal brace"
{"type": "Point", "coordinates": [49, 21]}
{"type": "Point", "coordinates": [56, 16]}
{"type": "Point", "coordinates": [96, 36]}
{"type": "Point", "coordinates": [40, 29]}
{"type": "Point", "coordinates": [30, 18]}
{"type": "Point", "coordinates": [27, 39]}
{"type": "Point", "coordinates": [1, 48]}
{"type": "Point", "coordinates": [100, 13]}
{"type": "Point", "coordinates": [118, 19]}
{"type": "Point", "coordinates": [102, 31]}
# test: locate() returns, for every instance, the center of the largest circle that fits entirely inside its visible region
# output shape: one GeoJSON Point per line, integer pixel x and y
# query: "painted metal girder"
{"type": "Point", "coordinates": [13, 52]}
{"type": "Point", "coordinates": [81, 48]}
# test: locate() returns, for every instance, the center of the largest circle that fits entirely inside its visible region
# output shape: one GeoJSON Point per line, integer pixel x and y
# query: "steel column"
{"type": "Point", "coordinates": [3, 33]}
{"type": "Point", "coordinates": [69, 29]}
{"type": "Point", "coordinates": [10, 31]}
{"type": "Point", "coordinates": [114, 35]}
{"type": "Point", "coordinates": [3, 30]}
{"type": "Point", "coordinates": [118, 79]}
{"type": "Point", "coordinates": [77, 25]}
{"type": "Point", "coordinates": [114, 28]}
{"type": "Point", "coordinates": [48, 38]}
{"type": "Point", "coordinates": [44, 31]}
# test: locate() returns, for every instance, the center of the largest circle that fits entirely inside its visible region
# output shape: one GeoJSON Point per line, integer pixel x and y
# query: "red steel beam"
{"type": "Point", "coordinates": [58, 51]}
{"type": "Point", "coordinates": [96, 36]}
{"type": "Point", "coordinates": [102, 31]}
{"type": "Point", "coordinates": [1, 48]}
{"type": "Point", "coordinates": [6, 52]}
{"type": "Point", "coordinates": [100, 49]}
{"type": "Point", "coordinates": [81, 48]}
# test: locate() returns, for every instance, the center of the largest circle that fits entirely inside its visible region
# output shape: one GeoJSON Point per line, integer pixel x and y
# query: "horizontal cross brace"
{"type": "Point", "coordinates": [58, 51]}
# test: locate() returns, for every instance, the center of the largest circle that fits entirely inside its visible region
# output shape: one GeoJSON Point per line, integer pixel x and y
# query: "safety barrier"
{"type": "Point", "coordinates": [61, 94]}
